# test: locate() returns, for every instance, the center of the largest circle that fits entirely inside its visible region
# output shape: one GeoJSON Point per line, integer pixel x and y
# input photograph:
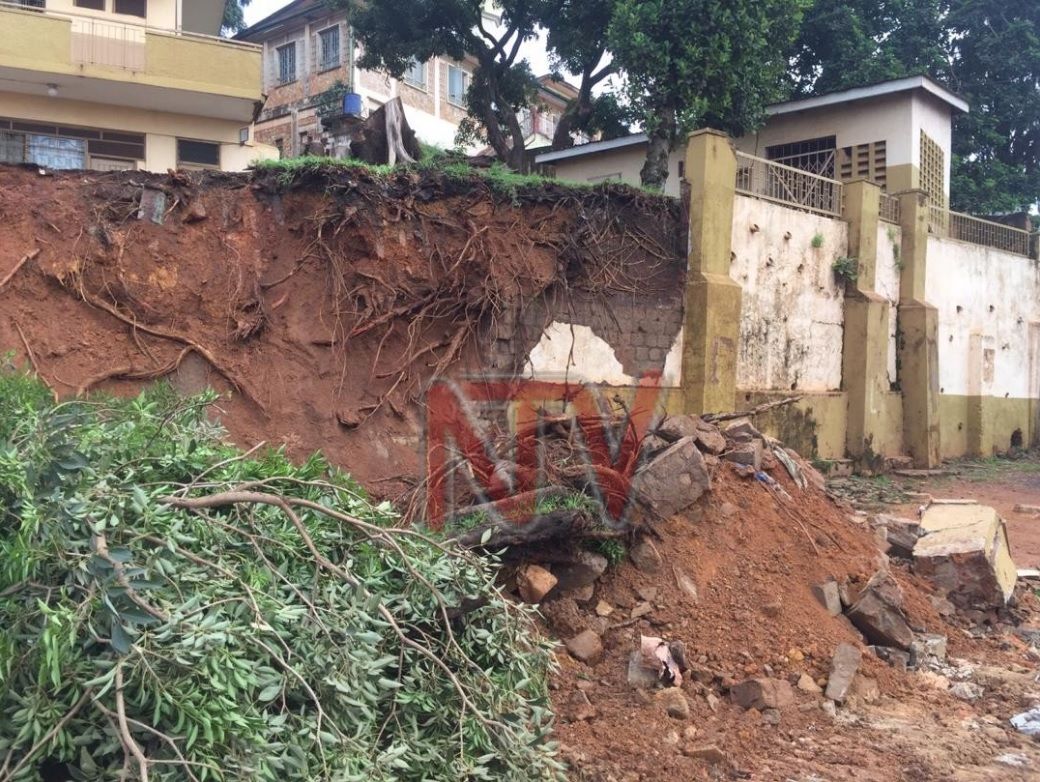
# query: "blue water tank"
{"type": "Point", "coordinates": [352, 104]}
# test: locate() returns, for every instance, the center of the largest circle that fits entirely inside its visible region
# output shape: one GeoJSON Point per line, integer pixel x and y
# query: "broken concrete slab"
{"type": "Point", "coordinates": [677, 427]}
{"type": "Point", "coordinates": [583, 570]}
{"type": "Point", "coordinates": [964, 552]}
{"type": "Point", "coordinates": [878, 613]}
{"type": "Point", "coordinates": [927, 648]}
{"type": "Point", "coordinates": [709, 439]}
{"type": "Point", "coordinates": [829, 596]}
{"type": "Point", "coordinates": [673, 481]}
{"type": "Point", "coordinates": [741, 430]}
{"type": "Point", "coordinates": [901, 534]}
{"type": "Point", "coordinates": [1032, 510]}
{"type": "Point", "coordinates": [748, 454]}
{"type": "Point", "coordinates": [534, 583]}
{"type": "Point", "coordinates": [844, 665]}
{"type": "Point", "coordinates": [762, 693]}
{"type": "Point", "coordinates": [586, 647]}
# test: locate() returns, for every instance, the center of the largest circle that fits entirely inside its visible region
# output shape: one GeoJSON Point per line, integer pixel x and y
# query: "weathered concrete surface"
{"type": "Point", "coordinates": [878, 613]}
{"type": "Point", "coordinates": [673, 481]}
{"type": "Point", "coordinates": [844, 665]}
{"type": "Point", "coordinates": [965, 552]}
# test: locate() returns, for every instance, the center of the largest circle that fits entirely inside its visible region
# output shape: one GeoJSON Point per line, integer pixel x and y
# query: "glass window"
{"type": "Point", "coordinates": [57, 153]}
{"type": "Point", "coordinates": [197, 154]}
{"type": "Point", "coordinates": [94, 5]}
{"type": "Point", "coordinates": [287, 63]}
{"type": "Point", "coordinates": [458, 85]}
{"type": "Point", "coordinates": [416, 75]}
{"type": "Point", "coordinates": [328, 49]}
{"type": "Point", "coordinates": [12, 147]}
{"type": "Point", "coordinates": [132, 8]}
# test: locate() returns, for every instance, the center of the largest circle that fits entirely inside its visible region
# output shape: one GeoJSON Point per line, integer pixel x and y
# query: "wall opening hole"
{"type": "Point", "coordinates": [1016, 438]}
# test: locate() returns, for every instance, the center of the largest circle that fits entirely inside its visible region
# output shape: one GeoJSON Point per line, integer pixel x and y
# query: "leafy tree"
{"type": "Point", "coordinates": [577, 42]}
{"type": "Point", "coordinates": [988, 51]}
{"type": "Point", "coordinates": [394, 33]}
{"type": "Point", "coordinates": [234, 19]}
{"type": "Point", "coordinates": [691, 63]}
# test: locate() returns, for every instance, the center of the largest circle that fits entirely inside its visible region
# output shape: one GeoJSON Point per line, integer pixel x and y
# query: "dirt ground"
{"type": "Point", "coordinates": [754, 556]}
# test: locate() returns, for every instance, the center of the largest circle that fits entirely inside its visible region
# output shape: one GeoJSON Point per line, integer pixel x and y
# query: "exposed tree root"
{"type": "Point", "coordinates": [30, 256]}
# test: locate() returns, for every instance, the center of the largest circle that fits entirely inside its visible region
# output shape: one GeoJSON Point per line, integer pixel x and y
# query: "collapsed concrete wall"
{"type": "Point", "coordinates": [323, 302]}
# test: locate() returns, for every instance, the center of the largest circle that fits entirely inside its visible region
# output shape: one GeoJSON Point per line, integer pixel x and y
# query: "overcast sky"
{"type": "Point", "coordinates": [534, 51]}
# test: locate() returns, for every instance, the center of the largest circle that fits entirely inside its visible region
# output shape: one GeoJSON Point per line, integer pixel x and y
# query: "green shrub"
{"type": "Point", "coordinates": [290, 632]}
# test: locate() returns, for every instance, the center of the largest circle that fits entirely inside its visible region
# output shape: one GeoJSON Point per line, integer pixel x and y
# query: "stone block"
{"type": "Point", "coordinates": [964, 552]}
{"type": "Point", "coordinates": [673, 481]}
{"type": "Point", "coordinates": [747, 453]}
{"type": "Point", "coordinates": [710, 439]}
{"type": "Point", "coordinates": [646, 557]}
{"type": "Point", "coordinates": [844, 665]}
{"type": "Point", "coordinates": [583, 570]}
{"type": "Point", "coordinates": [762, 693]}
{"type": "Point", "coordinates": [534, 583]}
{"type": "Point", "coordinates": [829, 596]}
{"type": "Point", "coordinates": [878, 614]}
{"type": "Point", "coordinates": [586, 647]}
{"type": "Point", "coordinates": [676, 427]}
{"type": "Point", "coordinates": [927, 647]}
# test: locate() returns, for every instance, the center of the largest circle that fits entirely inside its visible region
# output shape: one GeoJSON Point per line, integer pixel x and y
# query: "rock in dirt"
{"type": "Point", "coordinates": [534, 583]}
{"type": "Point", "coordinates": [844, 665]}
{"type": "Point", "coordinates": [673, 481]}
{"type": "Point", "coordinates": [603, 608]}
{"type": "Point", "coordinates": [674, 702]}
{"type": "Point", "coordinates": [676, 427]}
{"type": "Point", "coordinates": [586, 647]}
{"type": "Point", "coordinates": [829, 596]}
{"type": "Point", "coordinates": [897, 658]}
{"type": "Point", "coordinates": [864, 690]}
{"type": "Point", "coordinates": [710, 439]}
{"type": "Point", "coordinates": [762, 693]}
{"type": "Point", "coordinates": [645, 557]}
{"type": "Point", "coordinates": [580, 708]}
{"type": "Point", "coordinates": [583, 570]}
{"type": "Point", "coordinates": [965, 553]}
{"type": "Point", "coordinates": [639, 675]}
{"type": "Point", "coordinates": [686, 584]}
{"type": "Point", "coordinates": [927, 648]}
{"type": "Point", "coordinates": [878, 613]}
{"type": "Point", "coordinates": [709, 753]}
{"type": "Point", "coordinates": [966, 691]}
{"type": "Point", "coordinates": [1027, 722]}
{"type": "Point", "coordinates": [748, 454]}
{"type": "Point", "coordinates": [806, 683]}
{"type": "Point", "coordinates": [741, 431]}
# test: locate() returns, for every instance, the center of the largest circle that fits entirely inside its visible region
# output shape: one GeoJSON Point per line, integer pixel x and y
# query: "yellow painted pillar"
{"type": "Point", "coordinates": [918, 337]}
{"type": "Point", "coordinates": [865, 349]}
{"type": "Point", "coordinates": [713, 300]}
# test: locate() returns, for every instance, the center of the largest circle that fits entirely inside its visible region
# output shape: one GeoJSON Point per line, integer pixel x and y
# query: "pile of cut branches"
{"type": "Point", "coordinates": [175, 609]}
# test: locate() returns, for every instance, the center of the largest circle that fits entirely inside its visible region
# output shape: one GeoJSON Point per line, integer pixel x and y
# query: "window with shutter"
{"type": "Point", "coordinates": [328, 49]}
{"type": "Point", "coordinates": [287, 63]}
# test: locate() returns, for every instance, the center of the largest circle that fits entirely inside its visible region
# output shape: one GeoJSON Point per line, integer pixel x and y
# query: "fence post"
{"type": "Point", "coordinates": [865, 349]}
{"type": "Point", "coordinates": [713, 300]}
{"type": "Point", "coordinates": [917, 344]}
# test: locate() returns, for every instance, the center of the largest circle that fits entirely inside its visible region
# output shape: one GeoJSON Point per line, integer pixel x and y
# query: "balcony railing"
{"type": "Point", "coordinates": [115, 45]}
{"type": "Point", "coordinates": [890, 209]}
{"type": "Point", "coordinates": [790, 186]}
{"type": "Point", "coordinates": [965, 228]}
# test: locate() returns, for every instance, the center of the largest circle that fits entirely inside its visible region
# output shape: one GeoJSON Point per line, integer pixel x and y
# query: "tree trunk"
{"type": "Point", "coordinates": [655, 169]}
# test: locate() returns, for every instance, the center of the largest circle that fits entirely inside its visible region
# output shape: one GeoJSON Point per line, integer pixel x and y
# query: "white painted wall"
{"type": "Point", "coordinates": [623, 165]}
{"type": "Point", "coordinates": [998, 296]}
{"type": "Point", "coordinates": [577, 354]}
{"type": "Point", "coordinates": [792, 320]}
{"type": "Point", "coordinates": [161, 13]}
{"type": "Point", "coordinates": [933, 117]}
{"type": "Point", "coordinates": [886, 283]}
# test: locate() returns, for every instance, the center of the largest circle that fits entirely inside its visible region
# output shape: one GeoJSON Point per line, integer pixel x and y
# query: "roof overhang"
{"type": "Point", "coordinates": [909, 84]}
{"type": "Point", "coordinates": [592, 148]}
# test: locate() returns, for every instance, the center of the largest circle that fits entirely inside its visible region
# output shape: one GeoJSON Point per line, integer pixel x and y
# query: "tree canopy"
{"type": "Point", "coordinates": [690, 63]}
{"type": "Point", "coordinates": [234, 17]}
{"type": "Point", "coordinates": [986, 51]}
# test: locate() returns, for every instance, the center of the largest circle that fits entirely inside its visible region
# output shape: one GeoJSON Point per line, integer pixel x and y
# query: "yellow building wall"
{"type": "Point", "coordinates": [160, 128]}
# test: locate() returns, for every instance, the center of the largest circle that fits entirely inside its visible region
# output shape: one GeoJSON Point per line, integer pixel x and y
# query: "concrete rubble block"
{"type": "Point", "coordinates": [762, 693]}
{"type": "Point", "coordinates": [674, 703]}
{"type": "Point", "coordinates": [927, 648]}
{"type": "Point", "coordinates": [583, 570]}
{"type": "Point", "coordinates": [878, 613]}
{"type": "Point", "coordinates": [844, 665]}
{"type": "Point", "coordinates": [964, 552]}
{"type": "Point", "coordinates": [639, 675]}
{"type": "Point", "coordinates": [586, 647]}
{"type": "Point", "coordinates": [646, 557]}
{"type": "Point", "coordinates": [534, 583]}
{"type": "Point", "coordinates": [741, 430]}
{"type": "Point", "coordinates": [897, 658]}
{"type": "Point", "coordinates": [901, 534]}
{"type": "Point", "coordinates": [710, 439]}
{"type": "Point", "coordinates": [966, 691]}
{"type": "Point", "coordinates": [1033, 510]}
{"type": "Point", "coordinates": [673, 481]}
{"type": "Point", "coordinates": [678, 427]}
{"type": "Point", "coordinates": [829, 596]}
{"type": "Point", "coordinates": [748, 454]}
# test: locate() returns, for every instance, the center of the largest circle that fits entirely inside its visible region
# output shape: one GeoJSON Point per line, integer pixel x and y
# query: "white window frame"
{"type": "Point", "coordinates": [466, 76]}
{"type": "Point", "coordinates": [421, 84]}
{"type": "Point", "coordinates": [324, 64]}
{"type": "Point", "coordinates": [278, 63]}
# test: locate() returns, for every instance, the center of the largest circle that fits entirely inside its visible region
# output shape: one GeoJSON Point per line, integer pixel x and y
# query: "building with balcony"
{"type": "Point", "coordinates": [126, 84]}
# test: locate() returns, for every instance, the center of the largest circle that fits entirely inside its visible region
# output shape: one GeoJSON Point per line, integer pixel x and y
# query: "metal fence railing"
{"type": "Point", "coordinates": [890, 209]}
{"type": "Point", "coordinates": [115, 45]}
{"type": "Point", "coordinates": [786, 185]}
{"type": "Point", "coordinates": [975, 230]}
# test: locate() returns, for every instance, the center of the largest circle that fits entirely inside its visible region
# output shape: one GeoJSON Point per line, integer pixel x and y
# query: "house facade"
{"type": "Point", "coordinates": [125, 84]}
{"type": "Point", "coordinates": [897, 134]}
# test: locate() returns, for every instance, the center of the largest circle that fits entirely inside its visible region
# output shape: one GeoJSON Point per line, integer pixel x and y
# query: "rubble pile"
{"type": "Point", "coordinates": [749, 608]}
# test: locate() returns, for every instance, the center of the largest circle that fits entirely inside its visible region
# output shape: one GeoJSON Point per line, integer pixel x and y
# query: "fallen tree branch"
{"type": "Point", "coordinates": [32, 359]}
{"type": "Point", "coordinates": [31, 256]}
{"type": "Point", "coordinates": [129, 373]}
{"type": "Point", "coordinates": [763, 408]}
{"type": "Point", "coordinates": [124, 729]}
{"type": "Point", "coordinates": [101, 550]}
